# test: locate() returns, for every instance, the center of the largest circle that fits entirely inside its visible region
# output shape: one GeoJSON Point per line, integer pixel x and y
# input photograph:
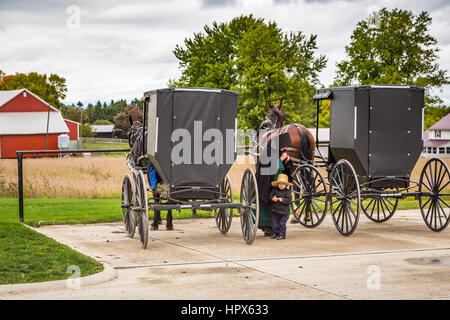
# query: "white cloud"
{"type": "Point", "coordinates": [125, 48]}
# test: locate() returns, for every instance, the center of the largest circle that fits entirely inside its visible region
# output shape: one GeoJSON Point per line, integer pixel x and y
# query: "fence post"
{"type": "Point", "coordinates": [20, 177]}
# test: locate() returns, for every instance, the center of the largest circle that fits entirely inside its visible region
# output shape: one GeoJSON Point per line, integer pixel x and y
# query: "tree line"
{"type": "Point", "coordinates": [264, 63]}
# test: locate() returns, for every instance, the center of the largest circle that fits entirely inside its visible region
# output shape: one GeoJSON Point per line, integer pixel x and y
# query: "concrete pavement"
{"type": "Point", "coordinates": [400, 259]}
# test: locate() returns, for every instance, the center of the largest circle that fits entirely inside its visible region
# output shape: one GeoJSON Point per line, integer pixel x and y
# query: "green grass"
{"type": "Point", "coordinates": [71, 211]}
{"type": "Point", "coordinates": [28, 256]}
{"type": "Point", "coordinates": [107, 145]}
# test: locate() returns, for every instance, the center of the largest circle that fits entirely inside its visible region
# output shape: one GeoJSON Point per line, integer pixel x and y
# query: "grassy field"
{"type": "Point", "coordinates": [106, 145]}
{"type": "Point", "coordinates": [28, 256]}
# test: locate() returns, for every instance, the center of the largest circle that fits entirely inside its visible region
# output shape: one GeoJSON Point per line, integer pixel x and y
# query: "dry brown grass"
{"type": "Point", "coordinates": [99, 177]}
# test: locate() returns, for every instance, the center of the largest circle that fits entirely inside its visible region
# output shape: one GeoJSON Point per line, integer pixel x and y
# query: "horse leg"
{"type": "Point", "coordinates": [156, 218]}
{"type": "Point", "coordinates": [169, 218]}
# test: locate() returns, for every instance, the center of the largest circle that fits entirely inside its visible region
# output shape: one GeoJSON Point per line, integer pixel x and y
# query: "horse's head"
{"type": "Point", "coordinates": [275, 116]}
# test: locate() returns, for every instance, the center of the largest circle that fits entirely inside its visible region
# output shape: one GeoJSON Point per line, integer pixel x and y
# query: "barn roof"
{"type": "Point", "coordinates": [443, 124]}
{"type": "Point", "coordinates": [19, 123]}
{"type": "Point", "coordinates": [8, 95]}
{"type": "Point", "coordinates": [102, 128]}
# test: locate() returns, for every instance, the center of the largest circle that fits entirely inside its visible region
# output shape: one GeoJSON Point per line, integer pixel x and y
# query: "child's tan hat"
{"type": "Point", "coordinates": [282, 178]}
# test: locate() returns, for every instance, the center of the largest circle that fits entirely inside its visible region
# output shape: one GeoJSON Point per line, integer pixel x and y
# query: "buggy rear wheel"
{"type": "Point", "coordinates": [309, 204]}
{"type": "Point", "coordinates": [345, 197]}
{"type": "Point", "coordinates": [433, 180]}
{"type": "Point", "coordinates": [141, 209]}
{"type": "Point", "coordinates": [127, 205]}
{"type": "Point", "coordinates": [224, 216]}
{"type": "Point", "coordinates": [379, 209]}
{"type": "Point", "coordinates": [249, 197]}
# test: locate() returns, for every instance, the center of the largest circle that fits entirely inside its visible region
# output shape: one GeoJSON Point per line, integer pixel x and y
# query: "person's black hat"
{"type": "Point", "coordinates": [284, 140]}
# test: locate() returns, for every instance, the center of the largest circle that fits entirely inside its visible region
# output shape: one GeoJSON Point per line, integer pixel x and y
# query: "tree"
{"type": "Point", "coordinates": [257, 59]}
{"type": "Point", "coordinates": [102, 122]}
{"type": "Point", "coordinates": [122, 121]}
{"type": "Point", "coordinates": [434, 114]}
{"type": "Point", "coordinates": [51, 89]}
{"type": "Point", "coordinates": [86, 131]}
{"type": "Point", "coordinates": [393, 47]}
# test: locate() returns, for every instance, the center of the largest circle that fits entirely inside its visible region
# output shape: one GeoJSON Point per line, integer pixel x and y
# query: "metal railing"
{"type": "Point", "coordinates": [36, 152]}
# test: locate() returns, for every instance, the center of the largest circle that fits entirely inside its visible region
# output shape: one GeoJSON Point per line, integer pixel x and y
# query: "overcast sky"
{"type": "Point", "coordinates": [120, 49]}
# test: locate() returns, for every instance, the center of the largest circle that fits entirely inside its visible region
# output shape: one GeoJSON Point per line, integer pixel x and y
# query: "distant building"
{"type": "Point", "coordinates": [436, 140]}
{"type": "Point", "coordinates": [28, 123]}
{"type": "Point", "coordinates": [102, 130]}
{"type": "Point", "coordinates": [324, 140]}
{"type": "Point", "coordinates": [74, 129]}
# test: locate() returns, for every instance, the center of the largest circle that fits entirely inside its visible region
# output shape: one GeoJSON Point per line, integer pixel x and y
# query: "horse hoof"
{"type": "Point", "coordinates": [159, 221]}
{"type": "Point", "coordinates": [169, 228]}
{"type": "Point", "coordinates": [293, 220]}
{"type": "Point", "coordinates": [153, 228]}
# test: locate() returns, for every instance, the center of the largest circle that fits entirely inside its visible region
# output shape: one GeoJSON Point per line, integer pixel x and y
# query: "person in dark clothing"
{"type": "Point", "coordinates": [273, 161]}
{"type": "Point", "coordinates": [281, 198]}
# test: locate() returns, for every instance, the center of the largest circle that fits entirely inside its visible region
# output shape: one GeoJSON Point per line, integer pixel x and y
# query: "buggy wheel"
{"type": "Point", "coordinates": [309, 204]}
{"type": "Point", "coordinates": [433, 180]}
{"type": "Point", "coordinates": [224, 216]}
{"type": "Point", "coordinates": [141, 209]}
{"type": "Point", "coordinates": [127, 205]}
{"type": "Point", "coordinates": [250, 211]}
{"type": "Point", "coordinates": [344, 193]}
{"type": "Point", "coordinates": [379, 209]}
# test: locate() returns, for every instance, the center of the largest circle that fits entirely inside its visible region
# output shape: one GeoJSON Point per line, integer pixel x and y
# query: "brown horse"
{"type": "Point", "coordinates": [303, 142]}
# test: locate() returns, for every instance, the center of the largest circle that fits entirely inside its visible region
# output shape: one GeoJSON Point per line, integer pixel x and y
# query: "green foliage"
{"type": "Point", "coordinates": [434, 114]}
{"type": "Point", "coordinates": [257, 59]}
{"type": "Point", "coordinates": [102, 122]}
{"type": "Point", "coordinates": [86, 131]}
{"type": "Point", "coordinates": [393, 47]}
{"type": "Point", "coordinates": [51, 89]}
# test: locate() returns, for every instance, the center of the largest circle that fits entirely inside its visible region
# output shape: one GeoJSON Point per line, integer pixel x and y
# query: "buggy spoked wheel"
{"type": "Point", "coordinates": [309, 204]}
{"type": "Point", "coordinates": [433, 181]}
{"type": "Point", "coordinates": [379, 208]}
{"type": "Point", "coordinates": [127, 205]}
{"type": "Point", "coordinates": [250, 211]}
{"type": "Point", "coordinates": [224, 216]}
{"type": "Point", "coordinates": [141, 209]}
{"type": "Point", "coordinates": [345, 197]}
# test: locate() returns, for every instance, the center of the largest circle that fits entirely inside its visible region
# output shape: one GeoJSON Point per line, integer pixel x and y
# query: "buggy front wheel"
{"type": "Point", "coordinates": [249, 198]}
{"type": "Point", "coordinates": [345, 197]}
{"type": "Point", "coordinates": [433, 186]}
{"type": "Point", "coordinates": [224, 216]}
{"type": "Point", "coordinates": [127, 205]}
{"type": "Point", "coordinates": [141, 209]}
{"type": "Point", "coordinates": [309, 203]}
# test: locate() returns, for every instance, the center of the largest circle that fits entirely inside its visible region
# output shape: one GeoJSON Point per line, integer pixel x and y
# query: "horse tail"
{"type": "Point", "coordinates": [306, 145]}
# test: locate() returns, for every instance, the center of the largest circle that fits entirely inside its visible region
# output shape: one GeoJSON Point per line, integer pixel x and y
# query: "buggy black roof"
{"type": "Point", "coordinates": [196, 89]}
{"type": "Point", "coordinates": [327, 93]}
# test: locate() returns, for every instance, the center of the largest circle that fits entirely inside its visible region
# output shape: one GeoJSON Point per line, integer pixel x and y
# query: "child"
{"type": "Point", "coordinates": [281, 198]}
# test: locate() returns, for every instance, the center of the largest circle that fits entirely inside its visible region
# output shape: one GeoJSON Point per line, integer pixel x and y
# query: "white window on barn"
{"type": "Point", "coordinates": [434, 150]}
{"type": "Point", "coordinates": [448, 149]}
{"type": "Point", "coordinates": [437, 133]}
{"type": "Point", "coordinates": [441, 150]}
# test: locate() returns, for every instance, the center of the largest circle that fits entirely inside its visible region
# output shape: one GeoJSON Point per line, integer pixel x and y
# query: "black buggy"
{"type": "Point", "coordinates": [195, 182]}
{"type": "Point", "coordinates": [376, 138]}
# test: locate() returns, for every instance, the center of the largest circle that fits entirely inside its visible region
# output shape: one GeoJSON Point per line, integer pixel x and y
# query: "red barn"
{"type": "Point", "coordinates": [74, 129]}
{"type": "Point", "coordinates": [23, 123]}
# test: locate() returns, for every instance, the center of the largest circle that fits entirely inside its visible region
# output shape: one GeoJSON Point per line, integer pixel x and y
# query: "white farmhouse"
{"type": "Point", "coordinates": [436, 140]}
